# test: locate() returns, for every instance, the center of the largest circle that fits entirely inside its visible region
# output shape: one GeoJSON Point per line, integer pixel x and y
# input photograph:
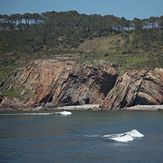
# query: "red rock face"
{"type": "Point", "coordinates": [59, 83]}
{"type": "Point", "coordinates": [62, 83]}
{"type": "Point", "coordinates": [136, 87]}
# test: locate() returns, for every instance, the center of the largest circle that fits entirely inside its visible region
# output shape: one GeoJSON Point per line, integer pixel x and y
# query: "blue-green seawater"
{"type": "Point", "coordinates": [78, 138]}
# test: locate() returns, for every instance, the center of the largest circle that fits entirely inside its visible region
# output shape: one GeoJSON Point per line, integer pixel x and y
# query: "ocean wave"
{"type": "Point", "coordinates": [135, 133]}
{"type": "Point", "coordinates": [64, 113]}
{"type": "Point", "coordinates": [125, 137]}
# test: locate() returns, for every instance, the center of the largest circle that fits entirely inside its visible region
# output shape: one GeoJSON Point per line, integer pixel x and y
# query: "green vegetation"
{"type": "Point", "coordinates": [31, 33]}
{"type": "Point", "coordinates": [15, 91]}
{"type": "Point", "coordinates": [5, 71]}
{"type": "Point", "coordinates": [129, 50]}
{"type": "Point", "coordinates": [12, 93]}
{"type": "Point", "coordinates": [87, 38]}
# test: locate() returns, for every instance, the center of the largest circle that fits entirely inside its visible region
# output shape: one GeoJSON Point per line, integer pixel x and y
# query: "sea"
{"type": "Point", "coordinates": [82, 137]}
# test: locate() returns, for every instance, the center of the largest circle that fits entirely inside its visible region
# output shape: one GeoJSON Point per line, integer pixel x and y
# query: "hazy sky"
{"type": "Point", "coordinates": [122, 8]}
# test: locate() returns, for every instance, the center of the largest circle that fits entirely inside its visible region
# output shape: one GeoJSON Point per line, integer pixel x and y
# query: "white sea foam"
{"type": "Point", "coordinates": [38, 113]}
{"type": "Point", "coordinates": [112, 135]}
{"type": "Point", "coordinates": [64, 113]}
{"type": "Point", "coordinates": [135, 133]}
{"type": "Point", "coordinates": [92, 136]}
{"type": "Point", "coordinates": [125, 137]}
{"type": "Point", "coordinates": [22, 114]}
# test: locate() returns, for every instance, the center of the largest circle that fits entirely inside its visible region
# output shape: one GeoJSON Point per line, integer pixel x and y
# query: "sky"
{"type": "Point", "coordinates": [121, 8]}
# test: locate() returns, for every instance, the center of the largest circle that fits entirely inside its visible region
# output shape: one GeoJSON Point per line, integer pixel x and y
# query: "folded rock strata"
{"type": "Point", "coordinates": [61, 83]}
{"type": "Point", "coordinates": [54, 83]}
{"type": "Point", "coordinates": [136, 87]}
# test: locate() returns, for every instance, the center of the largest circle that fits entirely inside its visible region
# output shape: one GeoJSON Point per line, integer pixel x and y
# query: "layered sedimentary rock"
{"type": "Point", "coordinates": [60, 83]}
{"type": "Point", "coordinates": [136, 87]}
{"type": "Point", "coordinates": [52, 83]}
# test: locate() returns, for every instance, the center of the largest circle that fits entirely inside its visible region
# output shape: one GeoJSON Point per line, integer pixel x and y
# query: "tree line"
{"type": "Point", "coordinates": [32, 32]}
{"type": "Point", "coordinates": [109, 22]}
{"type": "Point", "coordinates": [18, 21]}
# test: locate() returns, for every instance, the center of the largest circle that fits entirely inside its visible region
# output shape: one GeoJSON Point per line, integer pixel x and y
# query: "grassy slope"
{"type": "Point", "coordinates": [116, 49]}
{"type": "Point", "coordinates": [119, 49]}
{"type": "Point", "coordinates": [125, 49]}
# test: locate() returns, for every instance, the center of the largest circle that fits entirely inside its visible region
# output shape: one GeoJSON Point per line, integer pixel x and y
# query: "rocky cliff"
{"type": "Point", "coordinates": [58, 83]}
{"type": "Point", "coordinates": [136, 87]}
{"type": "Point", "coordinates": [53, 83]}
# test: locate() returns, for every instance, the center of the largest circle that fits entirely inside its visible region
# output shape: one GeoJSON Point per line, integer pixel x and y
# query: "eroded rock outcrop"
{"type": "Point", "coordinates": [136, 87]}
{"type": "Point", "coordinates": [61, 83]}
{"type": "Point", "coordinates": [52, 83]}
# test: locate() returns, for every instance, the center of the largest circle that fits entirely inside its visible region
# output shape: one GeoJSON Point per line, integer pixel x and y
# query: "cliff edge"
{"type": "Point", "coordinates": [57, 83]}
{"type": "Point", "coordinates": [54, 83]}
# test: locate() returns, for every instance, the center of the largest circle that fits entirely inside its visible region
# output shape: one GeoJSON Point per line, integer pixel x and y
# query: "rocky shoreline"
{"type": "Point", "coordinates": [92, 107]}
{"type": "Point", "coordinates": [95, 107]}
{"type": "Point", "coordinates": [48, 84]}
{"type": "Point", "coordinates": [145, 108]}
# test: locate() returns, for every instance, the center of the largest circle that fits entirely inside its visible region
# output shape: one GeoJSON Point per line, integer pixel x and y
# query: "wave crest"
{"type": "Point", "coordinates": [125, 137]}
{"type": "Point", "coordinates": [64, 113]}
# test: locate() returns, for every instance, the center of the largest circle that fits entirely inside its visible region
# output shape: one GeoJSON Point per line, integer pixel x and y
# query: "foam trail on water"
{"type": "Point", "coordinates": [125, 137]}
{"type": "Point", "coordinates": [15, 114]}
{"type": "Point", "coordinates": [63, 113]}
{"type": "Point", "coordinates": [112, 135]}
{"type": "Point", "coordinates": [92, 136]}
